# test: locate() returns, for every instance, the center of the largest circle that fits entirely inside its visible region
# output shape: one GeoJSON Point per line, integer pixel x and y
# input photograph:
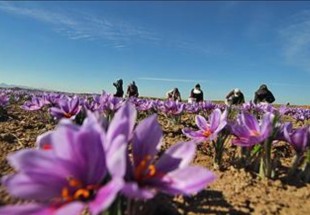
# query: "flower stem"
{"type": "Point", "coordinates": [306, 168]}
{"type": "Point", "coordinates": [297, 159]}
{"type": "Point", "coordinates": [265, 168]}
{"type": "Point", "coordinates": [219, 149]}
{"type": "Point", "coordinates": [115, 208]}
{"type": "Point", "coordinates": [267, 158]}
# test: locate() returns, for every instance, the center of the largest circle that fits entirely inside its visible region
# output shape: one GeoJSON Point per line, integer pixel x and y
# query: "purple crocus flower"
{"type": "Point", "coordinates": [53, 98]}
{"type": "Point", "coordinates": [207, 106]}
{"type": "Point", "coordinates": [141, 104]}
{"type": "Point", "coordinates": [115, 136]}
{"type": "Point", "coordinates": [4, 99]}
{"type": "Point", "coordinates": [94, 104]}
{"type": "Point", "coordinates": [169, 173]}
{"type": "Point", "coordinates": [208, 130]}
{"type": "Point", "coordinates": [109, 104]}
{"type": "Point", "coordinates": [173, 108]}
{"type": "Point", "coordinates": [36, 103]}
{"type": "Point", "coordinates": [67, 108]}
{"type": "Point", "coordinates": [299, 138]}
{"type": "Point", "coordinates": [192, 108]}
{"type": "Point", "coordinates": [279, 135]}
{"type": "Point", "coordinates": [66, 179]}
{"type": "Point", "coordinates": [249, 131]}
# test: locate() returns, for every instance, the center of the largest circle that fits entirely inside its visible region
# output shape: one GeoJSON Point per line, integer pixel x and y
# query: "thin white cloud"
{"type": "Point", "coordinates": [171, 80]}
{"type": "Point", "coordinates": [86, 26]}
{"type": "Point", "coordinates": [295, 39]}
{"type": "Point", "coordinates": [81, 25]}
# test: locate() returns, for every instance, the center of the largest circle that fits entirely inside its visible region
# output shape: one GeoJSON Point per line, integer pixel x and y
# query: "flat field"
{"type": "Point", "coordinates": [237, 190]}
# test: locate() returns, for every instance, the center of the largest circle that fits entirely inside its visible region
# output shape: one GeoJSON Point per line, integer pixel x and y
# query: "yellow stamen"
{"type": "Point", "coordinates": [81, 193]}
{"type": "Point", "coordinates": [144, 170]}
{"type": "Point", "coordinates": [77, 191]}
{"type": "Point", "coordinates": [152, 170]}
{"type": "Point", "coordinates": [65, 194]}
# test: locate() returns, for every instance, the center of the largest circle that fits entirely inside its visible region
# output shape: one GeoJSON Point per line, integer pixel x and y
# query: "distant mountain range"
{"type": "Point", "coordinates": [5, 85]}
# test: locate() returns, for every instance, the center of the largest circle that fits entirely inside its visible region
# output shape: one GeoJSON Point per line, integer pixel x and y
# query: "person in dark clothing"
{"type": "Point", "coordinates": [174, 95]}
{"type": "Point", "coordinates": [234, 97]}
{"type": "Point", "coordinates": [132, 90]}
{"type": "Point", "coordinates": [263, 95]}
{"type": "Point", "coordinates": [196, 94]}
{"type": "Point", "coordinates": [119, 88]}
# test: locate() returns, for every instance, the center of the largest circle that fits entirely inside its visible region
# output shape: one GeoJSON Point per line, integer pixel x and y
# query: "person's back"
{"type": "Point", "coordinates": [234, 97]}
{"type": "Point", "coordinates": [174, 95]}
{"type": "Point", "coordinates": [119, 88]}
{"type": "Point", "coordinates": [132, 90]}
{"type": "Point", "coordinates": [263, 95]}
{"type": "Point", "coordinates": [196, 94]}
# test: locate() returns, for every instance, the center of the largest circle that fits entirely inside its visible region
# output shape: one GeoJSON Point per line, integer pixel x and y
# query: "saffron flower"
{"type": "Point", "coordinates": [172, 108]}
{"type": "Point", "coordinates": [68, 108]}
{"type": "Point", "coordinates": [298, 138]}
{"type": "Point", "coordinates": [192, 108]}
{"type": "Point", "coordinates": [4, 99]}
{"type": "Point", "coordinates": [248, 131]}
{"type": "Point", "coordinates": [147, 175]}
{"type": "Point", "coordinates": [36, 103]}
{"type": "Point", "coordinates": [115, 136]}
{"type": "Point", "coordinates": [207, 106]}
{"type": "Point", "coordinates": [67, 177]}
{"type": "Point", "coordinates": [208, 130]}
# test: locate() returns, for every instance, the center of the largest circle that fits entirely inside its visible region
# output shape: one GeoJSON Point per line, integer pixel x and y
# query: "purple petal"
{"type": "Point", "coordinates": [266, 127]}
{"type": "Point", "coordinates": [189, 180]}
{"type": "Point", "coordinates": [133, 191]}
{"type": "Point", "coordinates": [287, 129]}
{"type": "Point", "coordinates": [299, 139]}
{"type": "Point", "coordinates": [249, 121]}
{"type": "Point", "coordinates": [116, 157]}
{"type": "Point", "coordinates": [105, 196]}
{"type": "Point", "coordinates": [26, 187]}
{"type": "Point", "coordinates": [27, 209]}
{"type": "Point", "coordinates": [44, 141]}
{"type": "Point", "coordinates": [74, 208]}
{"type": "Point", "coordinates": [84, 148]}
{"type": "Point", "coordinates": [56, 112]}
{"type": "Point", "coordinates": [201, 122]}
{"type": "Point", "coordinates": [215, 118]}
{"type": "Point", "coordinates": [29, 182]}
{"type": "Point", "coordinates": [240, 130]}
{"type": "Point", "coordinates": [177, 156]}
{"type": "Point", "coordinates": [30, 160]}
{"type": "Point", "coordinates": [123, 122]}
{"type": "Point", "coordinates": [193, 134]}
{"type": "Point", "coordinates": [147, 139]}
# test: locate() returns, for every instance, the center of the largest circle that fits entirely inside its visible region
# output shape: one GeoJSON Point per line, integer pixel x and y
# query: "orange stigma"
{"type": "Point", "coordinates": [77, 191]}
{"type": "Point", "coordinates": [207, 132]}
{"type": "Point", "coordinates": [145, 170]}
{"type": "Point", "coordinates": [255, 133]}
{"type": "Point", "coordinates": [68, 115]}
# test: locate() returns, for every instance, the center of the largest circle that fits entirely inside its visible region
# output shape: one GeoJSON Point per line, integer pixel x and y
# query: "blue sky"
{"type": "Point", "coordinates": [86, 46]}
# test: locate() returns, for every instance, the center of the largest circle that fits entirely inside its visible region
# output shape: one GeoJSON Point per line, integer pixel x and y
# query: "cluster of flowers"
{"type": "Point", "coordinates": [248, 131]}
{"type": "Point", "coordinates": [90, 166]}
{"type": "Point", "coordinates": [107, 103]}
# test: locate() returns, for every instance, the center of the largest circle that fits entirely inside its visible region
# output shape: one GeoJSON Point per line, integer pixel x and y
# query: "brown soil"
{"type": "Point", "coordinates": [236, 190]}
